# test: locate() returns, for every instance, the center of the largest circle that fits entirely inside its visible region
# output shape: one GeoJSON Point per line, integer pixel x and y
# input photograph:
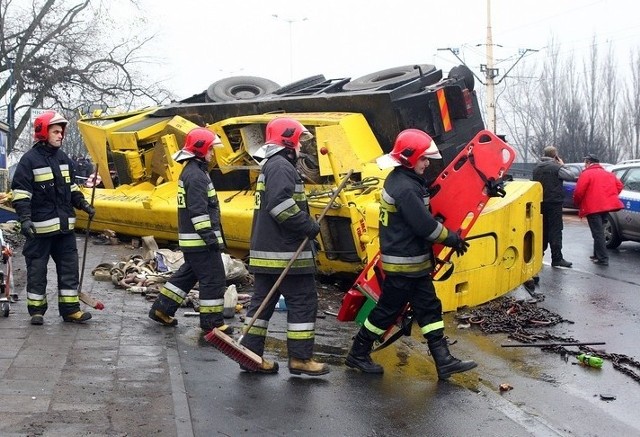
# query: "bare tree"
{"type": "Point", "coordinates": [630, 131]}
{"type": "Point", "coordinates": [553, 89]}
{"type": "Point", "coordinates": [592, 92]}
{"type": "Point", "coordinates": [572, 136]}
{"type": "Point", "coordinates": [610, 120]}
{"type": "Point", "coordinates": [68, 54]}
{"type": "Point", "coordinates": [519, 94]}
{"type": "Point", "coordinates": [578, 111]}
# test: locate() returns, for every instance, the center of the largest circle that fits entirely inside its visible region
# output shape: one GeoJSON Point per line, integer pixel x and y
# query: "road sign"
{"type": "Point", "coordinates": [35, 112]}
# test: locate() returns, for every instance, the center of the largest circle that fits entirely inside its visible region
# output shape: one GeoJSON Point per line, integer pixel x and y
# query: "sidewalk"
{"type": "Point", "coordinates": [117, 375]}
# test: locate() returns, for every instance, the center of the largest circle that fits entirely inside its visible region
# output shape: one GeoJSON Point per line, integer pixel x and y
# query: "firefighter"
{"type": "Point", "coordinates": [407, 233]}
{"type": "Point", "coordinates": [44, 197]}
{"type": "Point", "coordinates": [199, 236]}
{"type": "Point", "coordinates": [281, 221]}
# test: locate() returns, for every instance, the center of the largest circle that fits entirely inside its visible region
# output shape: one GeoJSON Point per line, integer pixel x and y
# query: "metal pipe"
{"type": "Point", "coordinates": [553, 344]}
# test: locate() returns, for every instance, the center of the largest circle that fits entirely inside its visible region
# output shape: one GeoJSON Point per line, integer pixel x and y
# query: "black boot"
{"type": "Point", "coordinates": [359, 356]}
{"type": "Point", "coordinates": [447, 364]}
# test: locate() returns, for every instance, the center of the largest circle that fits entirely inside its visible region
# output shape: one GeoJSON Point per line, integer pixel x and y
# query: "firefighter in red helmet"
{"type": "Point", "coordinates": [281, 221]}
{"type": "Point", "coordinates": [199, 236]}
{"type": "Point", "coordinates": [407, 233]}
{"type": "Point", "coordinates": [44, 197]}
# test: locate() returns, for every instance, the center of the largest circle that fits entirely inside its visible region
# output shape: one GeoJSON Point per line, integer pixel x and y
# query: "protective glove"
{"type": "Point", "coordinates": [90, 210]}
{"type": "Point", "coordinates": [313, 230]}
{"type": "Point", "coordinates": [27, 228]}
{"type": "Point", "coordinates": [456, 242]}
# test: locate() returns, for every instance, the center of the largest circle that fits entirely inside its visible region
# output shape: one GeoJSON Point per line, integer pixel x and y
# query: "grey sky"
{"type": "Point", "coordinates": [201, 41]}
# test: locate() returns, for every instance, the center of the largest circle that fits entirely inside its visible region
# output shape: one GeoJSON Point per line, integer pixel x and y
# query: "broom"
{"type": "Point", "coordinates": [233, 349]}
{"type": "Point", "coordinates": [84, 297]}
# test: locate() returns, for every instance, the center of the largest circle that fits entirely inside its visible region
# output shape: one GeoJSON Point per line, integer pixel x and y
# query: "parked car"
{"type": "Point", "coordinates": [625, 224]}
{"type": "Point", "coordinates": [570, 186]}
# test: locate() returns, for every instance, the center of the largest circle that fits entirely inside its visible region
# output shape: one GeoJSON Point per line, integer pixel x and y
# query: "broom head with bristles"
{"type": "Point", "coordinates": [248, 359]}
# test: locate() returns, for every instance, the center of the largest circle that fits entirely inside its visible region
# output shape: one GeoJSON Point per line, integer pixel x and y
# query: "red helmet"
{"type": "Point", "coordinates": [286, 132]}
{"type": "Point", "coordinates": [410, 145]}
{"type": "Point", "coordinates": [42, 123]}
{"type": "Point", "coordinates": [199, 140]}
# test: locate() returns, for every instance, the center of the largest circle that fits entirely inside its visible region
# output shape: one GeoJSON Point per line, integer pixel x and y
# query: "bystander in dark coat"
{"type": "Point", "coordinates": [550, 172]}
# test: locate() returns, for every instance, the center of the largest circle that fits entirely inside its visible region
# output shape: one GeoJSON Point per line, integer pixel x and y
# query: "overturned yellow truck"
{"type": "Point", "coordinates": [353, 122]}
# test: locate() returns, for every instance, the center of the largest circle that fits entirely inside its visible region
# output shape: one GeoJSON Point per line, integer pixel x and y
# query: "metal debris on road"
{"type": "Point", "coordinates": [518, 318]}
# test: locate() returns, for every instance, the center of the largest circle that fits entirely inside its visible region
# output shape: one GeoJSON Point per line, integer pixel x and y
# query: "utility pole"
{"type": "Point", "coordinates": [490, 72]}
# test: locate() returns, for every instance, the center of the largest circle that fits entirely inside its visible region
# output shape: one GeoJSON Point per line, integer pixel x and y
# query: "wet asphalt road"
{"type": "Point", "coordinates": [550, 396]}
{"type": "Point", "coordinates": [124, 375]}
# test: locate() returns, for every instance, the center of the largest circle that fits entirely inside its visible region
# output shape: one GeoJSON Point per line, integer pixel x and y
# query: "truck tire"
{"type": "Point", "coordinates": [240, 88]}
{"type": "Point", "coordinates": [463, 72]}
{"type": "Point", "coordinates": [390, 76]}
{"type": "Point", "coordinates": [300, 84]}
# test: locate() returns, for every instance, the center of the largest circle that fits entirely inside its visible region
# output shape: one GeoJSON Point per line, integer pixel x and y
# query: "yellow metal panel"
{"type": "Point", "coordinates": [237, 216]}
{"type": "Point", "coordinates": [505, 249]}
{"type": "Point", "coordinates": [122, 210]}
{"type": "Point", "coordinates": [135, 165]}
{"type": "Point", "coordinates": [181, 125]}
{"type": "Point", "coordinates": [334, 139]}
{"type": "Point", "coordinates": [347, 135]}
{"type": "Point", "coordinates": [95, 133]}
{"type": "Point", "coordinates": [164, 164]}
{"type": "Point", "coordinates": [352, 142]}
{"type": "Point", "coordinates": [152, 131]}
{"type": "Point", "coordinates": [123, 141]}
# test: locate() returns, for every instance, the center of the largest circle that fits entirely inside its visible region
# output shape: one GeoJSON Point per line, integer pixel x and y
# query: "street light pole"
{"type": "Point", "coordinates": [290, 22]}
{"type": "Point", "coordinates": [10, 111]}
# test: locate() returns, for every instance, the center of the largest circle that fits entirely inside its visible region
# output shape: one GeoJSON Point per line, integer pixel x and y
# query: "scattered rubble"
{"type": "Point", "coordinates": [519, 319]}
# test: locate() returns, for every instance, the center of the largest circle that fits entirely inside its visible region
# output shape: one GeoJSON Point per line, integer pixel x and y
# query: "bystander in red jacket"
{"type": "Point", "coordinates": [597, 191]}
{"type": "Point", "coordinates": [596, 194]}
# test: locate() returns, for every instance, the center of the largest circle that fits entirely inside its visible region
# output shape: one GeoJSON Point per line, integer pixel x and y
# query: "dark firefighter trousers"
{"type": "Point", "coordinates": [397, 291]}
{"type": "Point", "coordinates": [207, 269]}
{"type": "Point", "coordinates": [301, 299]}
{"type": "Point", "coordinates": [63, 250]}
{"type": "Point", "coordinates": [552, 229]}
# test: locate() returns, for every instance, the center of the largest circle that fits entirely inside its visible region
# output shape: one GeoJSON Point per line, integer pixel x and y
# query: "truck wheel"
{"type": "Point", "coordinates": [390, 76]}
{"type": "Point", "coordinates": [240, 88]}
{"type": "Point", "coordinates": [5, 309]}
{"type": "Point", "coordinates": [611, 237]}
{"type": "Point", "coordinates": [463, 72]}
{"type": "Point", "coordinates": [300, 84]}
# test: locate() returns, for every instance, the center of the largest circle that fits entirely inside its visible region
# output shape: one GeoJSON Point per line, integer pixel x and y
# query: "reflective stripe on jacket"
{"type": "Point", "coordinates": [280, 220]}
{"type": "Point", "coordinates": [198, 209]}
{"type": "Point", "coordinates": [44, 190]}
{"type": "Point", "coordinates": [407, 228]}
